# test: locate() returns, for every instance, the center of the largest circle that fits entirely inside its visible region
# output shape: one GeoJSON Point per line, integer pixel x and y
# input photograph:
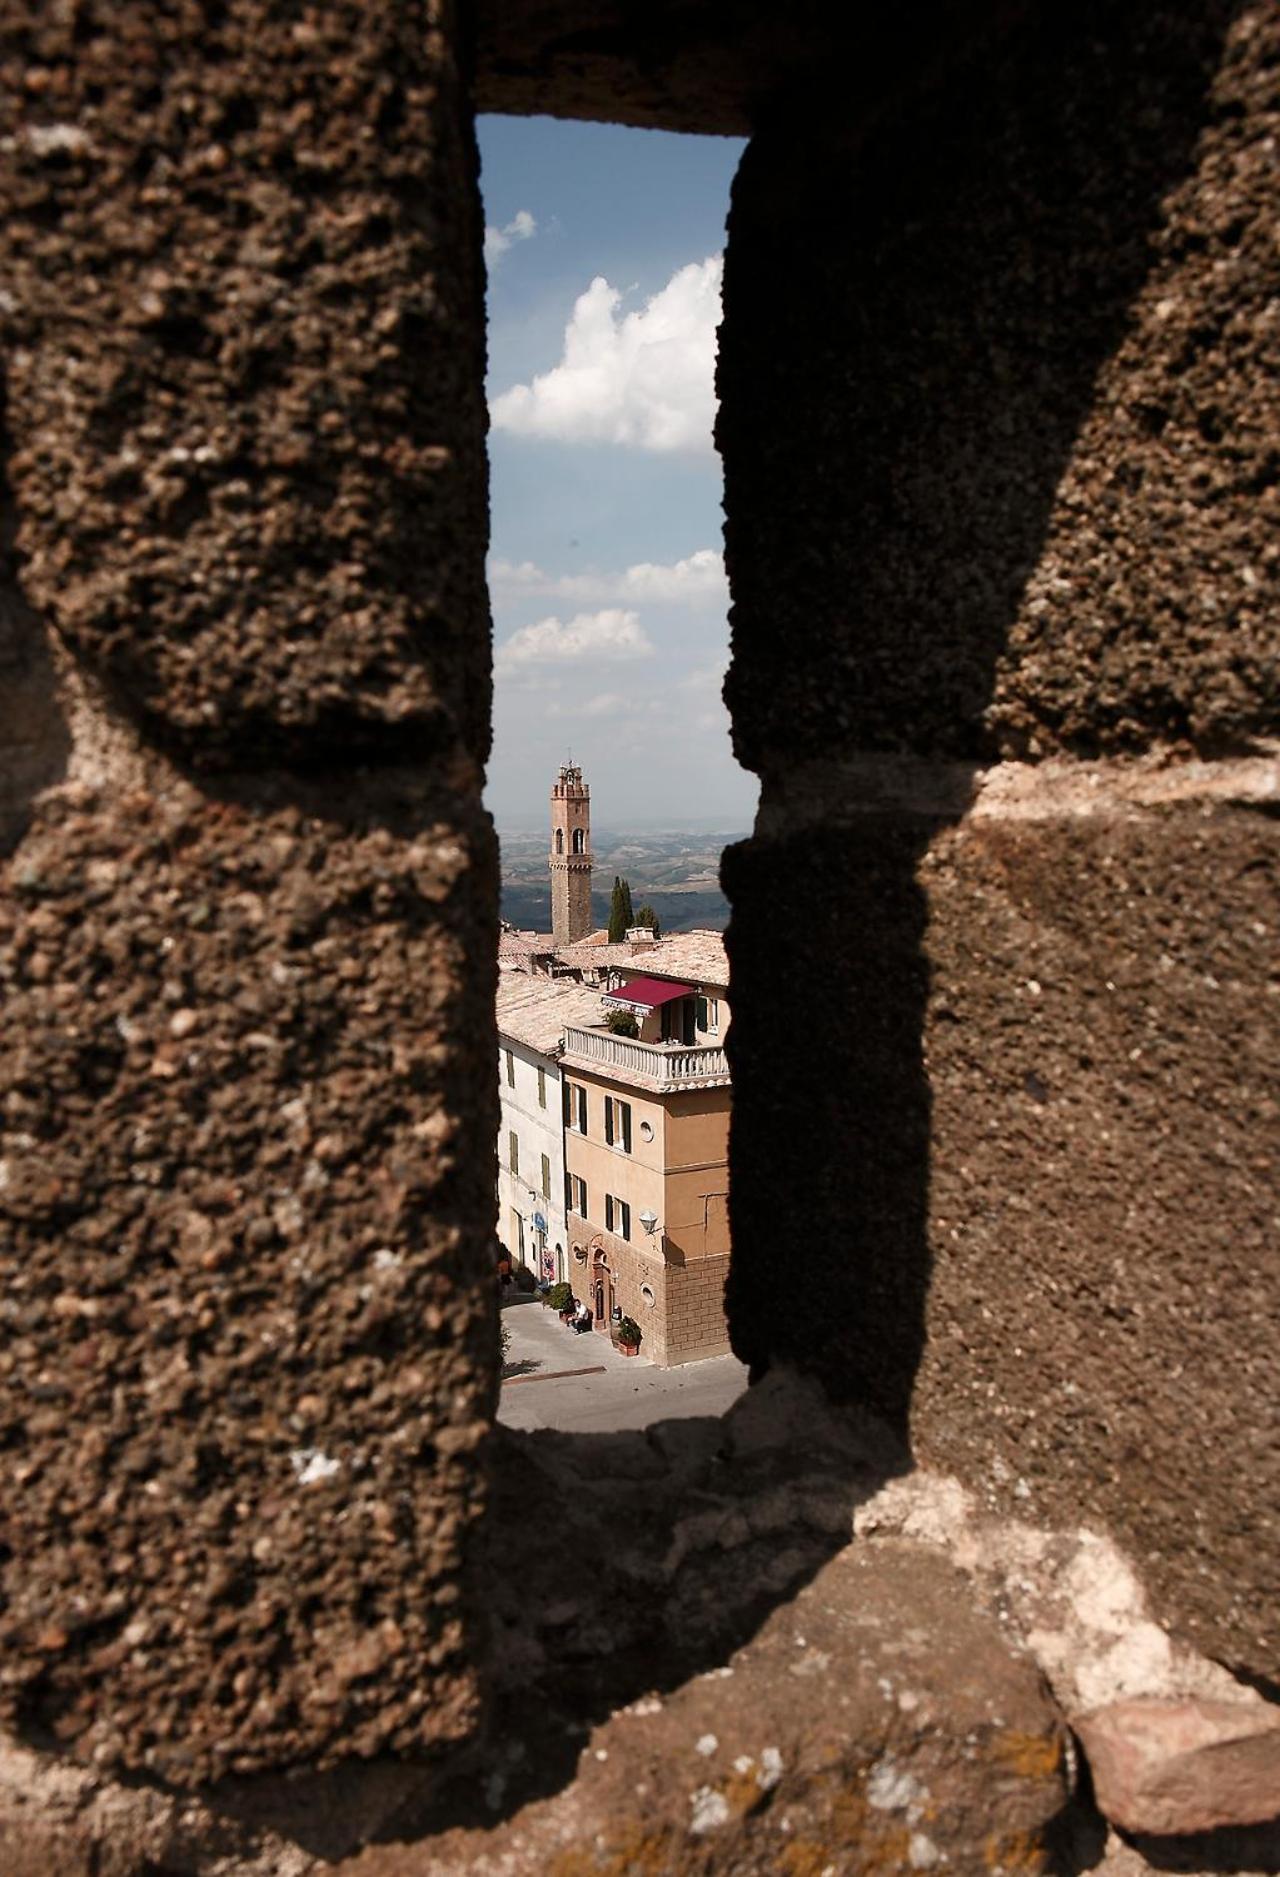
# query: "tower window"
{"type": "Point", "coordinates": [579, 841]}
{"type": "Point", "coordinates": [559, 840]}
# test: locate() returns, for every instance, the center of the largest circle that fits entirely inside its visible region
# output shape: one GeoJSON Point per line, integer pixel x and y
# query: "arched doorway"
{"type": "Point", "coordinates": [601, 1290]}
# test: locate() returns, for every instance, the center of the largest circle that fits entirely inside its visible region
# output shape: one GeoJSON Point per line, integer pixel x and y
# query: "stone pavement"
{"type": "Point", "coordinates": [615, 1391]}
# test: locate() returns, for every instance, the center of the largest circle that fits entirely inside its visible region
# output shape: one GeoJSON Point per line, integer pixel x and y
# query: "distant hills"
{"type": "Point", "coordinates": [677, 873]}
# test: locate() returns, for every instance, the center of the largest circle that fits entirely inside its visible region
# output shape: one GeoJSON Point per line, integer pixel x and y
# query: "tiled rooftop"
{"type": "Point", "coordinates": [518, 947]}
{"type": "Point", "coordinates": [534, 1011]}
{"type": "Point", "coordinates": [698, 956]}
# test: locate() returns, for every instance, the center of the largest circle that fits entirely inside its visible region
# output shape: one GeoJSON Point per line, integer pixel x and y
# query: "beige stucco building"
{"type": "Point", "coordinates": [647, 1152]}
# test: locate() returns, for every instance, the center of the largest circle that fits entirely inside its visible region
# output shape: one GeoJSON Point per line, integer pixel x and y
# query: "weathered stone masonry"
{"type": "Point", "coordinates": [1001, 489]}
{"type": "Point", "coordinates": [246, 1082]}
{"type": "Point", "coordinates": [999, 420]}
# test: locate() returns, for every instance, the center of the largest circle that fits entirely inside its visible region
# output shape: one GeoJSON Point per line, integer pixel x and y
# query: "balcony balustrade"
{"type": "Point", "coordinates": [660, 1066]}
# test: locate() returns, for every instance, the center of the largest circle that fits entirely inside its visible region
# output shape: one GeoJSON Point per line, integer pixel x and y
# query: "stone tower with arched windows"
{"type": "Point", "coordinates": [570, 856]}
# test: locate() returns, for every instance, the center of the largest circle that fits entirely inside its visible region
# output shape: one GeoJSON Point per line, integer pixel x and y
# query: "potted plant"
{"type": "Point", "coordinates": [629, 1336]}
{"type": "Point", "coordinates": [559, 1298]}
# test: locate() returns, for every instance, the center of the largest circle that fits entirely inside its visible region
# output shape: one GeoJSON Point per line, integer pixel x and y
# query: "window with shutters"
{"type": "Point", "coordinates": [513, 1151]}
{"type": "Point", "coordinates": [546, 1176]}
{"type": "Point", "coordinates": [542, 1088]}
{"type": "Point", "coordinates": [617, 1124]}
{"type": "Point", "coordinates": [511, 1069]}
{"type": "Point", "coordinates": [617, 1216]}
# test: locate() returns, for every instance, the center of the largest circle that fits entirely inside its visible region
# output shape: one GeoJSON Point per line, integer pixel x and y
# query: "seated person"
{"type": "Point", "coordinates": [581, 1317]}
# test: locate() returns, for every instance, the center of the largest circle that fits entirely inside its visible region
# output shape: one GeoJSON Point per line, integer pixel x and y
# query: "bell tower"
{"type": "Point", "coordinates": [570, 858]}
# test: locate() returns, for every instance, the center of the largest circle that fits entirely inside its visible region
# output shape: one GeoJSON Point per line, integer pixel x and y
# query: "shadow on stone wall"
{"type": "Point", "coordinates": [35, 743]}
{"type": "Point", "coordinates": [916, 318]}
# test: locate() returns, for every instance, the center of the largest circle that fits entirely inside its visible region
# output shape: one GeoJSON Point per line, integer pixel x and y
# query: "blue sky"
{"type": "Point", "coordinates": [606, 576]}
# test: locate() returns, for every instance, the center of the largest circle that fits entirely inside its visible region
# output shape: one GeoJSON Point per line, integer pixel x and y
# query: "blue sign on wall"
{"type": "Point", "coordinates": [539, 1222]}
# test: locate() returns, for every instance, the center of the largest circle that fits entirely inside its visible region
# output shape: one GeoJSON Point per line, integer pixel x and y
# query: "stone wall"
{"type": "Point", "coordinates": [247, 1055]}
{"type": "Point", "coordinates": [1002, 537]}
{"type": "Point", "coordinates": [999, 420]}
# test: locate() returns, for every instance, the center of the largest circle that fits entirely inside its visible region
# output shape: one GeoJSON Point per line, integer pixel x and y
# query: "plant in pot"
{"type": "Point", "coordinates": [559, 1298]}
{"type": "Point", "coordinates": [629, 1336]}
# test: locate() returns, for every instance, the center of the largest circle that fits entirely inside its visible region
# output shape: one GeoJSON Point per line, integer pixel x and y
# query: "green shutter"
{"type": "Point", "coordinates": [704, 1016]}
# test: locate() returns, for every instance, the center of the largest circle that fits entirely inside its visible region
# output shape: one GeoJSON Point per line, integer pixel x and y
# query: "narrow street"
{"type": "Point", "coordinates": [554, 1378]}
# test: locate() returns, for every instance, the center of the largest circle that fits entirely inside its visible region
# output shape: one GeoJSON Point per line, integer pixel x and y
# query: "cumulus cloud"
{"type": "Point", "coordinates": [521, 227]}
{"type": "Point", "coordinates": [611, 634]}
{"type": "Point", "coordinates": [645, 378]}
{"type": "Point", "coordinates": [696, 580]}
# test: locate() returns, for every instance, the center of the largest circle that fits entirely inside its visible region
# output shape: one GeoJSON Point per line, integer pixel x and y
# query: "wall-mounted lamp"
{"type": "Point", "coordinates": [649, 1220]}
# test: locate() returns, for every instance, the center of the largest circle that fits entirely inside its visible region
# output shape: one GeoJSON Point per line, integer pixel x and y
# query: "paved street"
{"type": "Point", "coordinates": [610, 1391]}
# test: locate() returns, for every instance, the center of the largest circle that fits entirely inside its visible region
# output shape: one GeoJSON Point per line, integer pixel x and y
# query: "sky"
{"type": "Point", "coordinates": [606, 575]}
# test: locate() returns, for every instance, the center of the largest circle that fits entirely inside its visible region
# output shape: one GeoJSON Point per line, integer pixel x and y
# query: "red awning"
{"type": "Point", "coordinates": [651, 992]}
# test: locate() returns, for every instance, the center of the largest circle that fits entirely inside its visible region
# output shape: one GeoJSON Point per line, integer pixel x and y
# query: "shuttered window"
{"type": "Point", "coordinates": [617, 1124]}
{"type": "Point", "coordinates": [542, 1088]}
{"type": "Point", "coordinates": [513, 1151]}
{"type": "Point", "coordinates": [546, 1177]}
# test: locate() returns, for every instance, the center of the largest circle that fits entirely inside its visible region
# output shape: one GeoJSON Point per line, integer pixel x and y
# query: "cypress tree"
{"type": "Point", "coordinates": [619, 910]}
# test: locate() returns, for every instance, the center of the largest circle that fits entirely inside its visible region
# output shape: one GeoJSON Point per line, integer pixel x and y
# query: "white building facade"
{"type": "Point", "coordinates": [532, 1014]}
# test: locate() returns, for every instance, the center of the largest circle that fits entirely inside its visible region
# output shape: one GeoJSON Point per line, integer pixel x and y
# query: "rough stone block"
{"type": "Point", "coordinates": [1000, 470]}
{"type": "Point", "coordinates": [247, 1113]}
{"type": "Point", "coordinates": [1166, 1767]}
{"type": "Point", "coordinates": [243, 319]}
{"type": "Point", "coordinates": [876, 1722]}
{"type": "Point", "coordinates": [1029, 1210]}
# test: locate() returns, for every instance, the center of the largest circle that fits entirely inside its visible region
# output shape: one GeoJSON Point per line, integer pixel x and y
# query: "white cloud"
{"type": "Point", "coordinates": [611, 634]}
{"type": "Point", "coordinates": [604, 704]}
{"type": "Point", "coordinates": [521, 227]}
{"type": "Point", "coordinates": [698, 579]}
{"type": "Point", "coordinates": [645, 378]}
{"type": "Point", "coordinates": [708, 679]}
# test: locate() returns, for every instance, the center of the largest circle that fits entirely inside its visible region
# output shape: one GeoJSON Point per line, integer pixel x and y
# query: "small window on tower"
{"type": "Point", "coordinates": [559, 840]}
{"type": "Point", "coordinates": [579, 841]}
